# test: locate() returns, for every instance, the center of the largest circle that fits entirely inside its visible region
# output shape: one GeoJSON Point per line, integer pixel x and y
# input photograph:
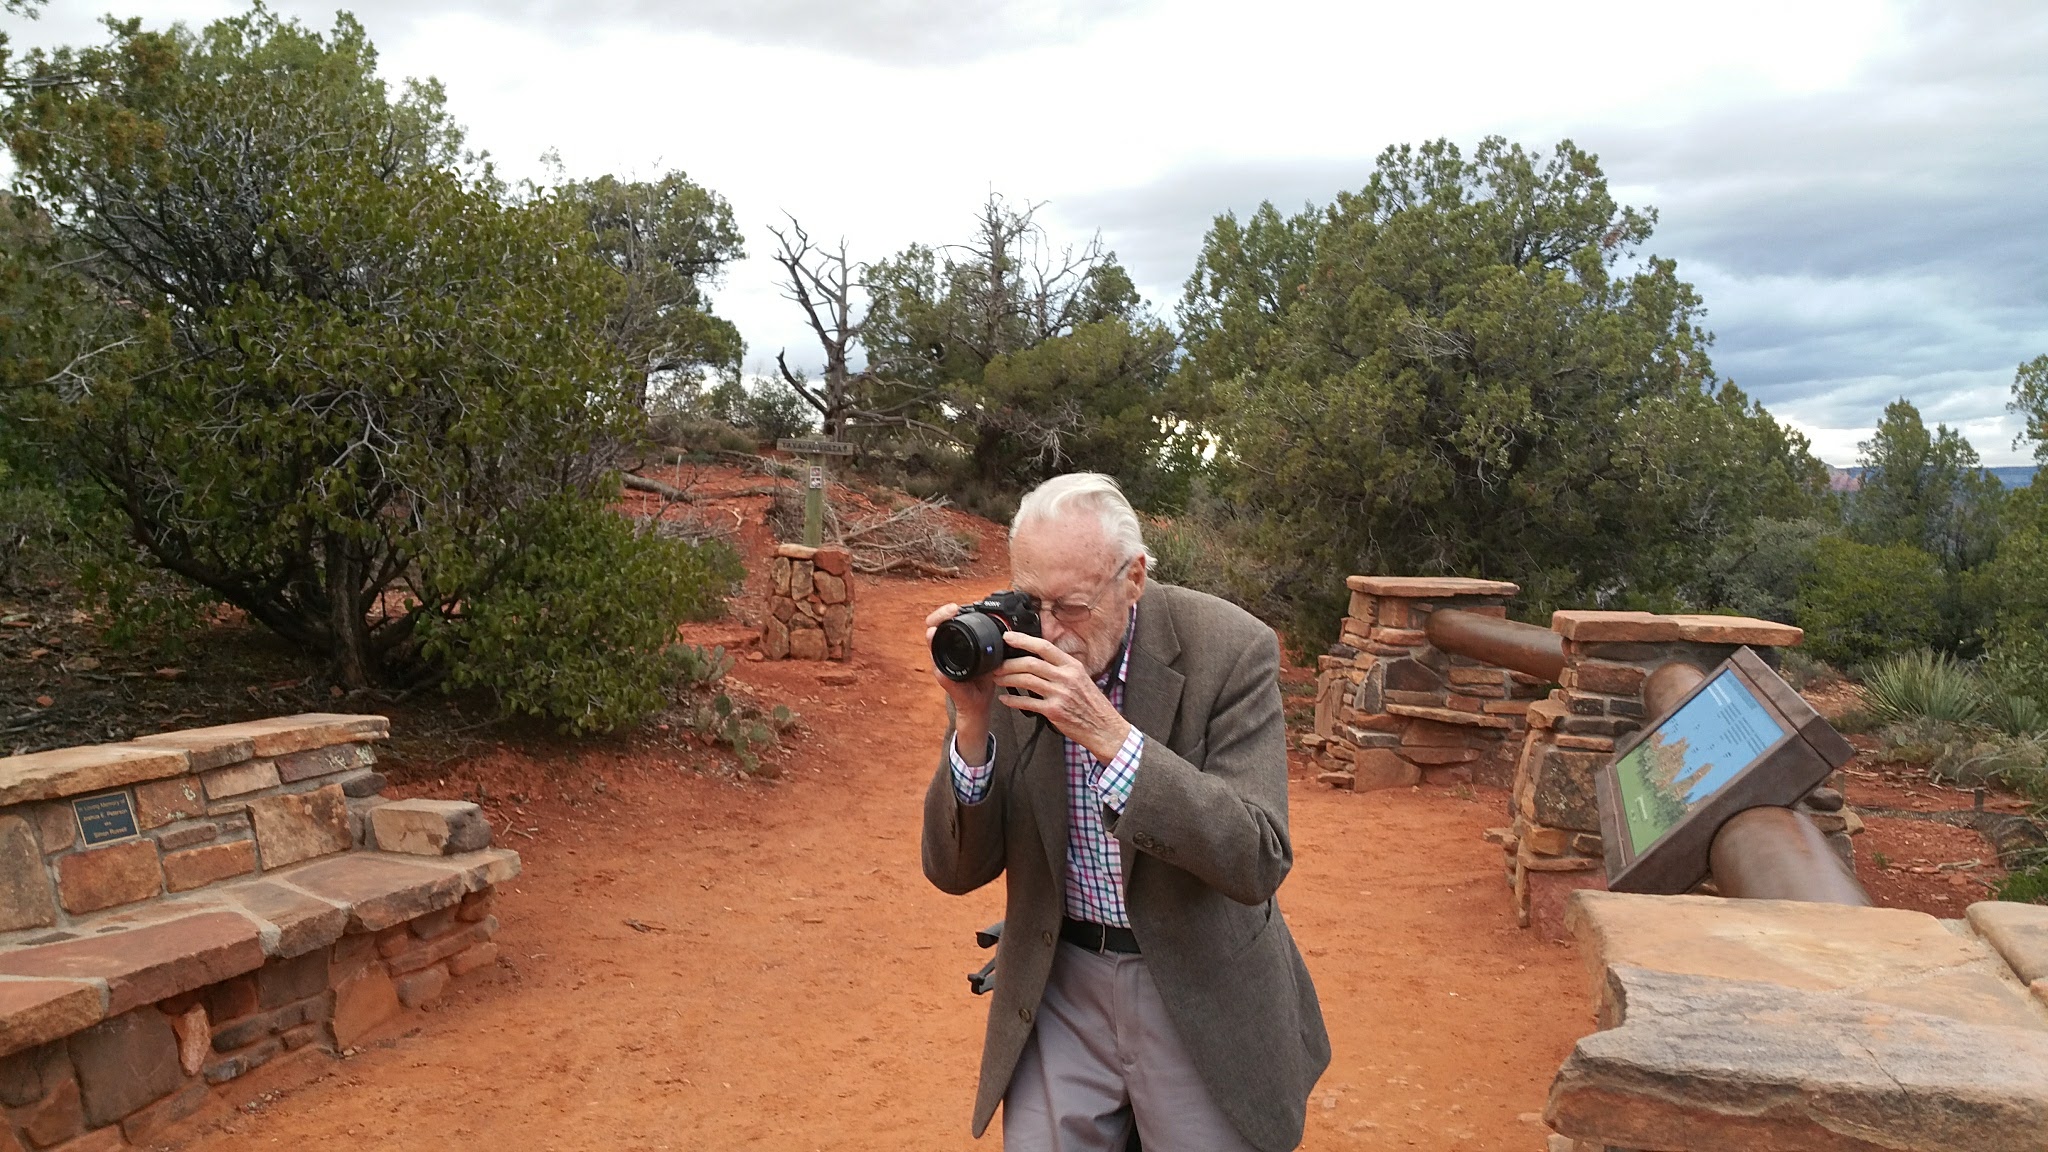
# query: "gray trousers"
{"type": "Point", "coordinates": [1102, 1055]}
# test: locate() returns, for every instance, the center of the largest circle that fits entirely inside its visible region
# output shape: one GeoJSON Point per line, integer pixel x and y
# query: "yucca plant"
{"type": "Point", "coordinates": [2015, 715]}
{"type": "Point", "coordinates": [1923, 685]}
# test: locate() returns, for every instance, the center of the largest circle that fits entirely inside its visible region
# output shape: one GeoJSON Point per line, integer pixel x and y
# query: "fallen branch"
{"type": "Point", "coordinates": [643, 484]}
{"type": "Point", "coordinates": [898, 563]}
{"type": "Point", "coordinates": [676, 495]}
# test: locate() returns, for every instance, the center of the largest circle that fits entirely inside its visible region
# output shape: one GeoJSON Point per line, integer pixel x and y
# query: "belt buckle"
{"type": "Point", "coordinates": [1101, 939]}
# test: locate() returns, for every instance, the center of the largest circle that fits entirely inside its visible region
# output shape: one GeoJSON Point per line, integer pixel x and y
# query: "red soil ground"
{"type": "Point", "coordinates": [702, 960]}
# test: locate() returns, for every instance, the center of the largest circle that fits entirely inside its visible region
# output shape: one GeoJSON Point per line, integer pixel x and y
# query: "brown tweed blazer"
{"type": "Point", "coordinates": [1205, 845]}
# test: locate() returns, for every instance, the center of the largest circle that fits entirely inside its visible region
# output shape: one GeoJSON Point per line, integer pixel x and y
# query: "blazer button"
{"type": "Point", "coordinates": [1024, 1014]}
{"type": "Point", "coordinates": [1144, 840]}
{"type": "Point", "coordinates": [1048, 939]}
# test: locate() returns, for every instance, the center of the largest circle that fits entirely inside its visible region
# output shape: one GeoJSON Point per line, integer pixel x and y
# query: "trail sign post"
{"type": "Point", "coordinates": [814, 493]}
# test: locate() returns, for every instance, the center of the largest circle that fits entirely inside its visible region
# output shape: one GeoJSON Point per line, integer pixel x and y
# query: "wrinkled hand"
{"type": "Point", "coordinates": [970, 699]}
{"type": "Point", "coordinates": [1065, 695]}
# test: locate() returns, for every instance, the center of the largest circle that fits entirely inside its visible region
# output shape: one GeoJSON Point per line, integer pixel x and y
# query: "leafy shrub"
{"type": "Point", "coordinates": [1970, 755]}
{"type": "Point", "coordinates": [774, 411]}
{"type": "Point", "coordinates": [1802, 671]}
{"type": "Point", "coordinates": [582, 628]}
{"type": "Point", "coordinates": [1861, 602]}
{"type": "Point", "coordinates": [2016, 663]}
{"type": "Point", "coordinates": [33, 532]}
{"type": "Point", "coordinates": [2025, 886]}
{"type": "Point", "coordinates": [1756, 571]}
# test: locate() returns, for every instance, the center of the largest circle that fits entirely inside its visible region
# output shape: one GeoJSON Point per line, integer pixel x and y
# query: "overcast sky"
{"type": "Point", "coordinates": [1858, 188]}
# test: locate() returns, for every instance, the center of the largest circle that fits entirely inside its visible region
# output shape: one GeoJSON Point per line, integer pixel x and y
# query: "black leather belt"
{"type": "Point", "coordinates": [1099, 937]}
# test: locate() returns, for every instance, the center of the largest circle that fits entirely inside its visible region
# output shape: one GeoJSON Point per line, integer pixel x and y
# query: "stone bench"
{"type": "Point", "coordinates": [1732, 1025]}
{"type": "Point", "coordinates": [212, 900]}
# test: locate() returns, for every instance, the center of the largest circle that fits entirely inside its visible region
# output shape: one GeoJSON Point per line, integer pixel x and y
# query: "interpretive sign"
{"type": "Point", "coordinates": [1742, 739]}
{"type": "Point", "coordinates": [105, 818]}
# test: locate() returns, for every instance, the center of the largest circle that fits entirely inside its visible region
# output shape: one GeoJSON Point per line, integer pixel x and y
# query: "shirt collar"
{"type": "Point", "coordinates": [1119, 669]}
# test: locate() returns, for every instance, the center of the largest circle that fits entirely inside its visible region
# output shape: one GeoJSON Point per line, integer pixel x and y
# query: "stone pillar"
{"type": "Point", "coordinates": [810, 605]}
{"type": "Point", "coordinates": [1392, 710]}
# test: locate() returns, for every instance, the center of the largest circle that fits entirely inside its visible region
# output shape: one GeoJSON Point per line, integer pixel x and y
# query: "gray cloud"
{"type": "Point", "coordinates": [1852, 246]}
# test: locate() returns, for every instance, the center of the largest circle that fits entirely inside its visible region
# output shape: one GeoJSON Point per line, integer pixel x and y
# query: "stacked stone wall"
{"type": "Point", "coordinates": [1553, 844]}
{"type": "Point", "coordinates": [208, 805]}
{"type": "Point", "coordinates": [1392, 710]}
{"type": "Point", "coordinates": [134, 985]}
{"type": "Point", "coordinates": [810, 605]}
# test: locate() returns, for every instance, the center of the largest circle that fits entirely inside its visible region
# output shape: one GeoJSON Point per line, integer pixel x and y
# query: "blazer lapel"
{"type": "Point", "coordinates": [1045, 781]}
{"type": "Point", "coordinates": [1152, 694]}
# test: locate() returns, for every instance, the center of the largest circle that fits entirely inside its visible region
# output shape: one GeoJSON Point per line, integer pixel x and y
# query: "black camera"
{"type": "Point", "coordinates": [970, 645]}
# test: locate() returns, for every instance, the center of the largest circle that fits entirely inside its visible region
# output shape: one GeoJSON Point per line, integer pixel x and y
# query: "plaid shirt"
{"type": "Point", "coordinates": [1094, 878]}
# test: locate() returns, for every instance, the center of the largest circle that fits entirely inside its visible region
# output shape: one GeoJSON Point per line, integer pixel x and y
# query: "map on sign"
{"type": "Point", "coordinates": [1699, 748]}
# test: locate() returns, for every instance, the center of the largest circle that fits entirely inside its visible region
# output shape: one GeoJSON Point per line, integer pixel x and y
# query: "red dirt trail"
{"type": "Point", "coordinates": [794, 983]}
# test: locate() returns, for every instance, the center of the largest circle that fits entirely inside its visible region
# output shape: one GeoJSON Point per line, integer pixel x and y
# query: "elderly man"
{"type": "Point", "coordinates": [1145, 975]}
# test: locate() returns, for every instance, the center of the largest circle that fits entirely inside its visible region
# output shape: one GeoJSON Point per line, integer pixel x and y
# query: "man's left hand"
{"type": "Point", "coordinates": [1065, 695]}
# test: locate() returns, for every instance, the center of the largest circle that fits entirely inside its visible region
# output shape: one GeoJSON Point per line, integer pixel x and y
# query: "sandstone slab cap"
{"type": "Point", "coordinates": [1428, 587]}
{"type": "Point", "coordinates": [2018, 931]}
{"type": "Point", "coordinates": [301, 920]}
{"type": "Point", "coordinates": [1450, 716]}
{"type": "Point", "coordinates": [281, 735]}
{"type": "Point", "coordinates": [35, 1011]}
{"type": "Point", "coordinates": [89, 768]}
{"type": "Point", "coordinates": [1881, 955]}
{"type": "Point", "coordinates": [150, 961]}
{"type": "Point", "coordinates": [381, 889]}
{"type": "Point", "coordinates": [205, 747]}
{"type": "Point", "coordinates": [1738, 1024]}
{"type": "Point", "coordinates": [1700, 1063]}
{"type": "Point", "coordinates": [1711, 629]}
{"type": "Point", "coordinates": [1587, 626]}
{"type": "Point", "coordinates": [429, 827]}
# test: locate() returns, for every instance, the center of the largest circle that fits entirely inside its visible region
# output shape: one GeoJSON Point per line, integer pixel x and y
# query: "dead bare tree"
{"type": "Point", "coordinates": [823, 282]}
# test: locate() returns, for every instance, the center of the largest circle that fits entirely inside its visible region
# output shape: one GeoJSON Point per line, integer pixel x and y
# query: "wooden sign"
{"type": "Point", "coordinates": [816, 447]}
{"type": "Point", "coordinates": [1740, 740]}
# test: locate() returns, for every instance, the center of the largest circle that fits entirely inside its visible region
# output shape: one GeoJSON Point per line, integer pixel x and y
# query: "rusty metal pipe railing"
{"type": "Point", "coordinates": [1511, 644]}
{"type": "Point", "coordinates": [1777, 854]}
{"type": "Point", "coordinates": [1668, 685]}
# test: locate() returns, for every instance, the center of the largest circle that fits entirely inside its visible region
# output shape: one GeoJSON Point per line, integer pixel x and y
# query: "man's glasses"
{"type": "Point", "coordinates": [1073, 612]}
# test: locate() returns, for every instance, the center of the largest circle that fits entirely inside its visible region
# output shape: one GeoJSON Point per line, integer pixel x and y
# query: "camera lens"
{"type": "Point", "coordinates": [967, 646]}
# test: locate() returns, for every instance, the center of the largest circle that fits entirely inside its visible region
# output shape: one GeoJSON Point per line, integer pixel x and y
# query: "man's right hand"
{"type": "Point", "coordinates": [971, 699]}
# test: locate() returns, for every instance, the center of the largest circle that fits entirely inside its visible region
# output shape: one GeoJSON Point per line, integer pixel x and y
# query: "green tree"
{"type": "Point", "coordinates": [1927, 489]}
{"type": "Point", "coordinates": [669, 240]}
{"type": "Point", "coordinates": [1863, 601]}
{"type": "Point", "coordinates": [1464, 368]}
{"type": "Point", "coordinates": [27, 8]}
{"type": "Point", "coordinates": [2016, 642]}
{"type": "Point", "coordinates": [1037, 359]}
{"type": "Point", "coordinates": [363, 397]}
{"type": "Point", "coordinates": [2030, 401]}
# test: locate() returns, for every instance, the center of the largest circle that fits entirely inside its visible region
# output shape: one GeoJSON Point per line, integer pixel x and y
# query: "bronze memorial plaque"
{"type": "Point", "coordinates": [1740, 740]}
{"type": "Point", "coordinates": [105, 818]}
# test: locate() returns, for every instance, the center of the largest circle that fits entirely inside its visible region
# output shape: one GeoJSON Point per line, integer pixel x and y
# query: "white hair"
{"type": "Point", "coordinates": [1092, 493]}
